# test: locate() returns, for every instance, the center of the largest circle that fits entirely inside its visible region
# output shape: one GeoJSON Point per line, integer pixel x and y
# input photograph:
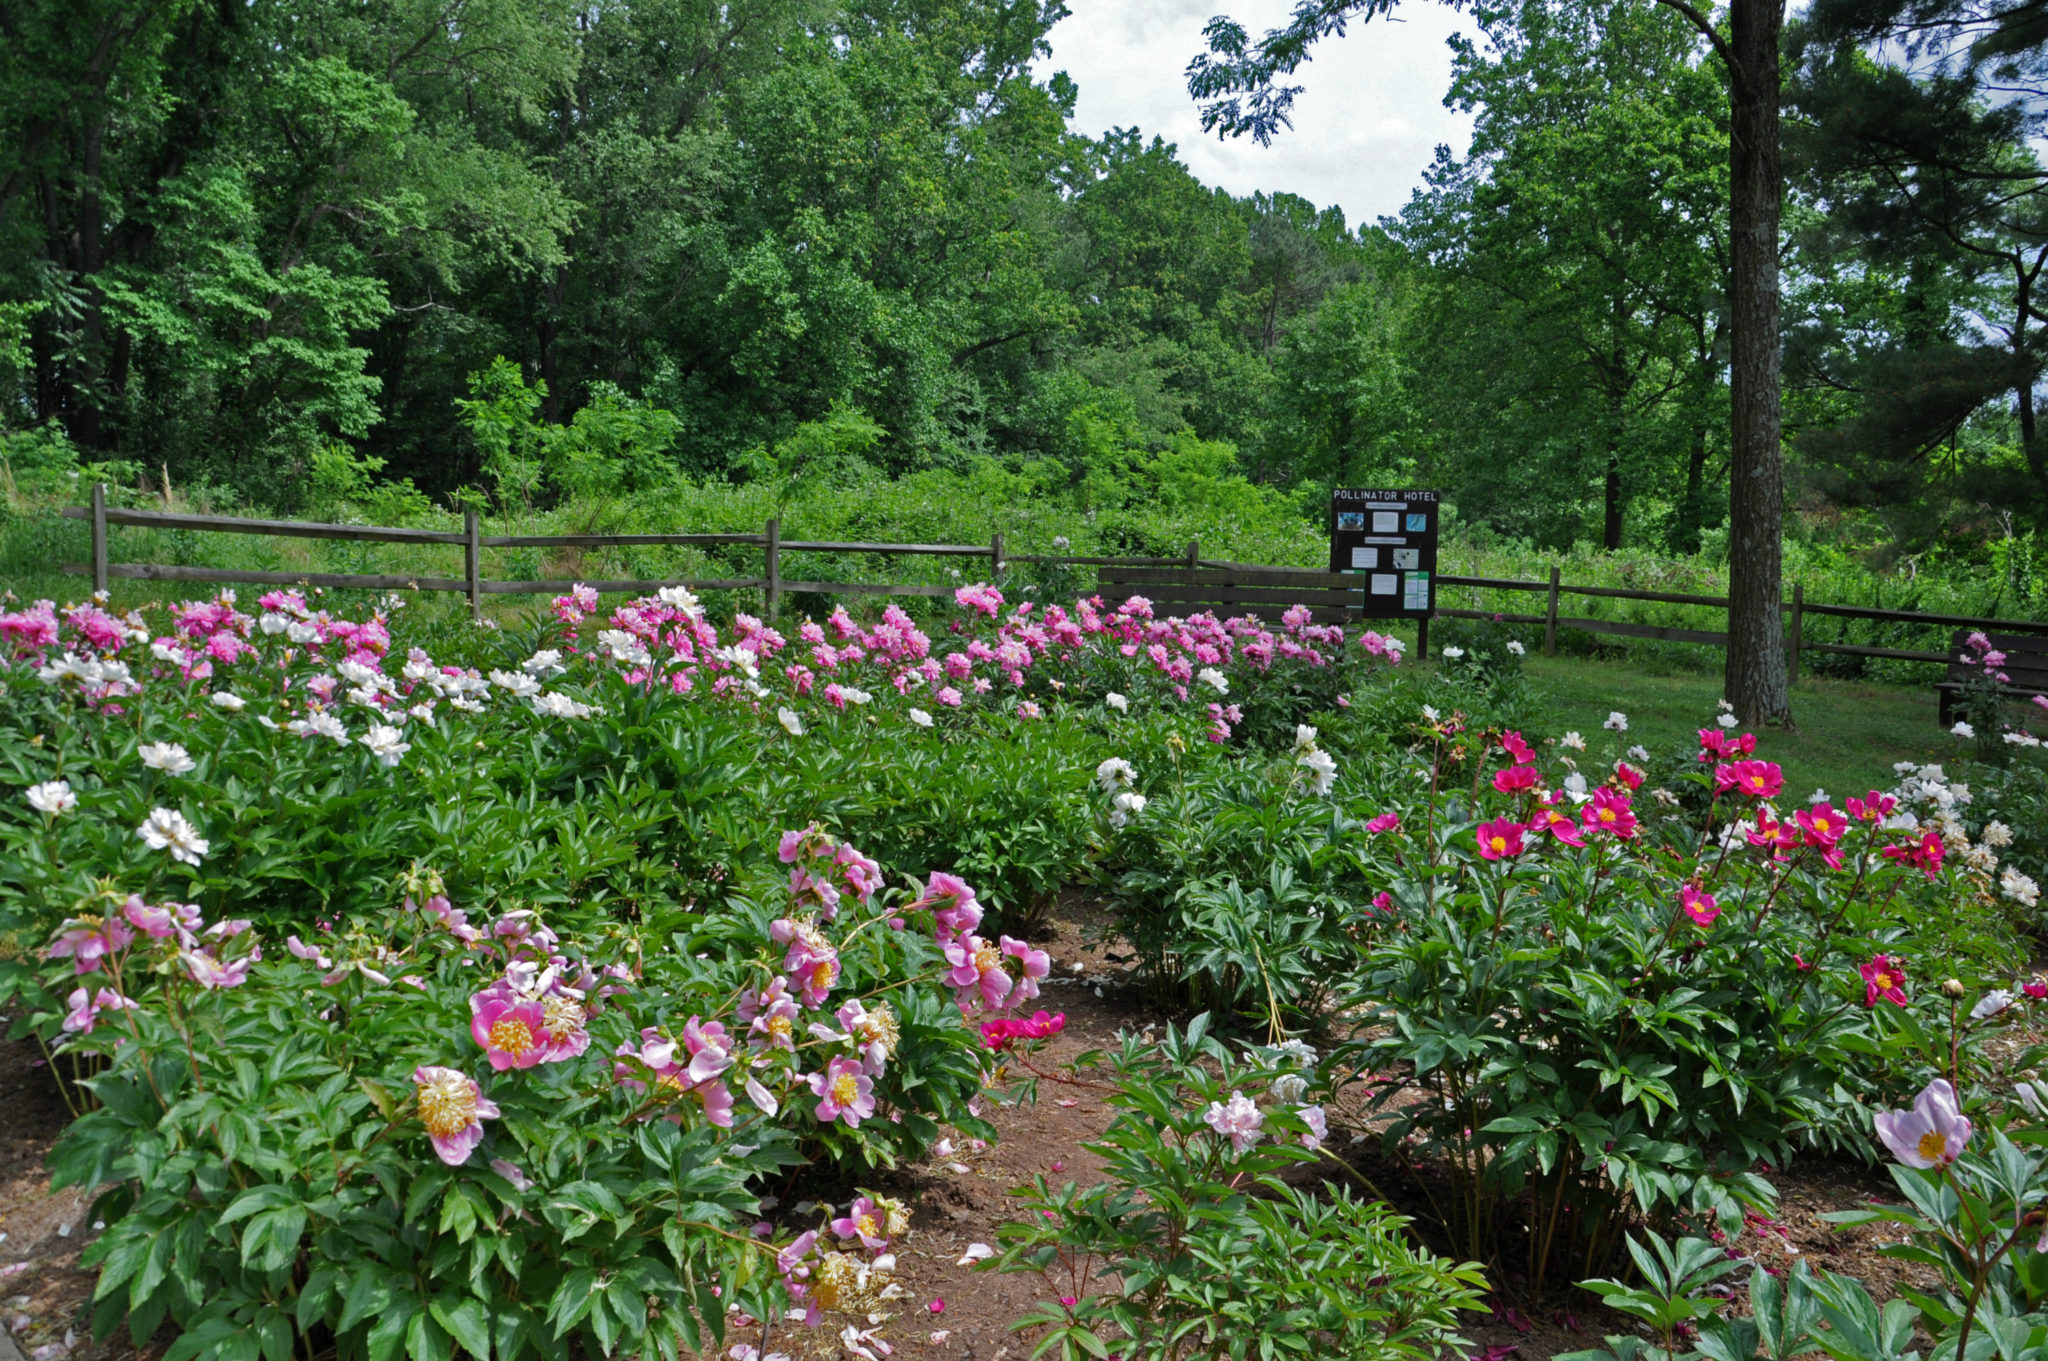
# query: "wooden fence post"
{"type": "Point", "coordinates": [1798, 629]}
{"type": "Point", "coordinates": [1194, 553]}
{"type": "Point", "coordinates": [99, 538]}
{"type": "Point", "coordinates": [473, 564]}
{"type": "Point", "coordinates": [995, 556]}
{"type": "Point", "coordinates": [1550, 619]}
{"type": "Point", "coordinates": [771, 591]}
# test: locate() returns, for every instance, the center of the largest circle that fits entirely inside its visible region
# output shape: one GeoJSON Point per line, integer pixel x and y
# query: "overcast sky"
{"type": "Point", "coordinates": [1365, 126]}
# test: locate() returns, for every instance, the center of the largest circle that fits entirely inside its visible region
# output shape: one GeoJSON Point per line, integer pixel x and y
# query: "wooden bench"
{"type": "Point", "coordinates": [2026, 665]}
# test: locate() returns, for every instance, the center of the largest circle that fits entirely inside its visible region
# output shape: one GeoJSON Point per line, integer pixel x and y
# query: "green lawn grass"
{"type": "Point", "coordinates": [1847, 733]}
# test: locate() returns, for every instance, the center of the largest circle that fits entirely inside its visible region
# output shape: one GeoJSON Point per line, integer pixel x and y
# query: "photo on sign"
{"type": "Point", "coordinates": [1386, 522]}
{"type": "Point", "coordinates": [1418, 523]}
{"type": "Point", "coordinates": [1383, 583]}
{"type": "Point", "coordinates": [1407, 559]}
{"type": "Point", "coordinates": [1351, 519]}
{"type": "Point", "coordinates": [1365, 557]}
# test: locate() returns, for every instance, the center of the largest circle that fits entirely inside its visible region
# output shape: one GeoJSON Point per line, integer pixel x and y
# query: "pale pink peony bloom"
{"type": "Point", "coordinates": [1240, 1120]}
{"type": "Point", "coordinates": [844, 1092]}
{"type": "Point", "coordinates": [1932, 1133]}
{"type": "Point", "coordinates": [453, 1109]}
{"type": "Point", "coordinates": [85, 943]}
{"type": "Point", "coordinates": [85, 1011]}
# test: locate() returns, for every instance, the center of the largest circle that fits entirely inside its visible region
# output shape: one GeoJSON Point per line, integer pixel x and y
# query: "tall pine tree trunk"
{"type": "Point", "coordinates": [1755, 682]}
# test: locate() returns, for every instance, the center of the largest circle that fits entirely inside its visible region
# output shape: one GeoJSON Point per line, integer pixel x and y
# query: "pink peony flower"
{"type": "Point", "coordinates": [1610, 812]}
{"type": "Point", "coordinates": [1032, 966]}
{"type": "Point", "coordinates": [1927, 856]}
{"type": "Point", "coordinates": [85, 943]}
{"type": "Point", "coordinates": [1500, 839]}
{"type": "Point", "coordinates": [1240, 1120]}
{"type": "Point", "coordinates": [844, 1092]}
{"type": "Point", "coordinates": [85, 1011]}
{"type": "Point", "coordinates": [977, 967]}
{"type": "Point", "coordinates": [512, 1031]}
{"type": "Point", "coordinates": [865, 1221]}
{"type": "Point", "coordinates": [1515, 779]}
{"type": "Point", "coordinates": [1385, 822]}
{"type": "Point", "coordinates": [160, 922]}
{"type": "Point", "coordinates": [208, 971]}
{"type": "Point", "coordinates": [1932, 1134]}
{"type": "Point", "coordinates": [1758, 779]}
{"type": "Point", "coordinates": [1883, 977]}
{"type": "Point", "coordinates": [1698, 904]}
{"type": "Point", "coordinates": [453, 1109]}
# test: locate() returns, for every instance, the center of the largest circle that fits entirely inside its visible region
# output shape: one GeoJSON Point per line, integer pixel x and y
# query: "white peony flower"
{"type": "Point", "coordinates": [1727, 720]}
{"type": "Point", "coordinates": [1117, 702]}
{"type": "Point", "coordinates": [560, 706]}
{"type": "Point", "coordinates": [522, 685]}
{"type": "Point", "coordinates": [1322, 768]}
{"type": "Point", "coordinates": [1639, 754]}
{"type": "Point", "coordinates": [1289, 1088]}
{"type": "Point", "coordinates": [547, 662]}
{"type": "Point", "coordinates": [1214, 679]}
{"type": "Point", "coordinates": [1114, 774]}
{"type": "Point", "coordinates": [792, 722]}
{"type": "Point", "coordinates": [166, 829]}
{"type": "Point", "coordinates": [681, 598]}
{"type": "Point", "coordinates": [1992, 1003]}
{"type": "Point", "coordinates": [920, 718]}
{"type": "Point", "coordinates": [169, 757]}
{"type": "Point", "coordinates": [1617, 721]}
{"type": "Point", "coordinates": [1962, 729]}
{"type": "Point", "coordinates": [229, 700]}
{"type": "Point", "coordinates": [1573, 741]}
{"type": "Point", "coordinates": [1125, 806]}
{"type": "Point", "coordinates": [384, 743]}
{"type": "Point", "coordinates": [320, 724]}
{"type": "Point", "coordinates": [2019, 887]}
{"type": "Point", "coordinates": [1575, 785]}
{"type": "Point", "coordinates": [1516, 648]}
{"type": "Point", "coordinates": [1304, 737]}
{"type": "Point", "coordinates": [52, 797]}
{"type": "Point", "coordinates": [1451, 654]}
{"type": "Point", "coordinates": [1995, 834]}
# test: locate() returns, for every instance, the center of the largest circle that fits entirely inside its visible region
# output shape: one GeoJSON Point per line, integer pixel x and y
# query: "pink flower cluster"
{"type": "Point", "coordinates": [205, 953]}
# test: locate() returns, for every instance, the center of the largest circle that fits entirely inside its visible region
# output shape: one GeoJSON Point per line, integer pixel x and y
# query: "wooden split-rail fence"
{"type": "Point", "coordinates": [1182, 583]}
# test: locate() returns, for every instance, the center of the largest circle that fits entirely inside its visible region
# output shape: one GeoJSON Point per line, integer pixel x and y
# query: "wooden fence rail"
{"type": "Point", "coordinates": [1185, 581]}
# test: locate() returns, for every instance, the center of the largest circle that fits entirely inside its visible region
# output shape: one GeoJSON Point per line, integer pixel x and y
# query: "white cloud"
{"type": "Point", "coordinates": [1365, 126]}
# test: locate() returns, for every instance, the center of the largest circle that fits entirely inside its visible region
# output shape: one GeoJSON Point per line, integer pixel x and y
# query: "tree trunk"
{"type": "Point", "coordinates": [1755, 681]}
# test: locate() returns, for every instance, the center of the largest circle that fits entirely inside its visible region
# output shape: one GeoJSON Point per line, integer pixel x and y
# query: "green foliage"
{"type": "Point", "coordinates": [1196, 1246]}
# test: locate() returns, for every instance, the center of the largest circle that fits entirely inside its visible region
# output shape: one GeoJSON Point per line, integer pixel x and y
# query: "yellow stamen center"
{"type": "Point", "coordinates": [447, 1106]}
{"type": "Point", "coordinates": [845, 1089]}
{"type": "Point", "coordinates": [823, 972]}
{"type": "Point", "coordinates": [1933, 1146]}
{"type": "Point", "coordinates": [511, 1036]}
{"type": "Point", "coordinates": [868, 1226]}
{"type": "Point", "coordinates": [988, 959]}
{"type": "Point", "coordinates": [781, 1027]}
{"type": "Point", "coordinates": [1499, 843]}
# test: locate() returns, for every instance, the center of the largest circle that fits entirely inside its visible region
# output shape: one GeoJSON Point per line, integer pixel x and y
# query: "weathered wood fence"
{"type": "Point", "coordinates": [1185, 582]}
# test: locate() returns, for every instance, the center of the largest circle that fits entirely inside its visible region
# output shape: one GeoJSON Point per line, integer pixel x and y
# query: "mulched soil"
{"type": "Point", "coordinates": [956, 1201]}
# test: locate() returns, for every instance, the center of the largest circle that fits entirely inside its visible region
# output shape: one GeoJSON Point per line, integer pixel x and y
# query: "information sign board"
{"type": "Point", "coordinates": [1388, 540]}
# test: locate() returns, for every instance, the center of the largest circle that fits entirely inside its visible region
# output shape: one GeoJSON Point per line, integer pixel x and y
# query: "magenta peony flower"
{"type": "Point", "coordinates": [1500, 839]}
{"type": "Point", "coordinates": [1698, 904]}
{"type": "Point", "coordinates": [1883, 977]}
